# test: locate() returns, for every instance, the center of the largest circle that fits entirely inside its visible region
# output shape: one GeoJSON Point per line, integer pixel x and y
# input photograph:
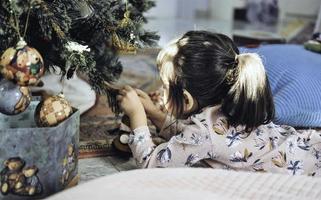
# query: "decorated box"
{"type": "Point", "coordinates": [37, 162]}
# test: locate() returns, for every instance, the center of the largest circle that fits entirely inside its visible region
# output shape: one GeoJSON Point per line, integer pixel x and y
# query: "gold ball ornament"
{"type": "Point", "coordinates": [52, 111]}
{"type": "Point", "coordinates": [22, 64]}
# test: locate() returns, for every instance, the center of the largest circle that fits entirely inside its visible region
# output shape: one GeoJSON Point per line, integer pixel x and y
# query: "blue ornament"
{"type": "Point", "coordinates": [14, 99]}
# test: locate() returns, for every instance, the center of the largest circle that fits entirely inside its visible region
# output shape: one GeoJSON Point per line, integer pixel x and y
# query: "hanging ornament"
{"type": "Point", "coordinates": [123, 46]}
{"type": "Point", "coordinates": [14, 99]}
{"type": "Point", "coordinates": [22, 64]}
{"type": "Point", "coordinates": [52, 111]}
{"type": "Point", "coordinates": [126, 21]}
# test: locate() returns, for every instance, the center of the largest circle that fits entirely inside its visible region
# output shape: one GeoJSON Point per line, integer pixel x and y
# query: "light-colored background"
{"type": "Point", "coordinates": [174, 17]}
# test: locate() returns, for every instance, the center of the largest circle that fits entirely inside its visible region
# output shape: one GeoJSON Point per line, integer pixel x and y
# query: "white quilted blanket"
{"type": "Point", "coordinates": [195, 183]}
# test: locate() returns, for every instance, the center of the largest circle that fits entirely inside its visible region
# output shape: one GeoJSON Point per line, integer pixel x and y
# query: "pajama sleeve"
{"type": "Point", "coordinates": [185, 149]}
{"type": "Point", "coordinates": [171, 127]}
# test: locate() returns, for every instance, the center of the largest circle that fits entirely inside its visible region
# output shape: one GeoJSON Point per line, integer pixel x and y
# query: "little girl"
{"type": "Point", "coordinates": [224, 105]}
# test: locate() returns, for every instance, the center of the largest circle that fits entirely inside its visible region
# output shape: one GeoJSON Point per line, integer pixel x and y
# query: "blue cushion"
{"type": "Point", "coordinates": [295, 78]}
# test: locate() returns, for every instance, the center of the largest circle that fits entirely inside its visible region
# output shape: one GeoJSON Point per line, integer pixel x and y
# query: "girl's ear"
{"type": "Point", "coordinates": [189, 102]}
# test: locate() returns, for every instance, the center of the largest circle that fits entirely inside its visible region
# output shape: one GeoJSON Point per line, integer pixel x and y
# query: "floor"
{"type": "Point", "coordinates": [92, 168]}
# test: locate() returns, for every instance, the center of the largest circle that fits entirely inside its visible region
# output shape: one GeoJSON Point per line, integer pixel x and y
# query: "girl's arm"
{"type": "Point", "coordinates": [156, 116]}
{"type": "Point", "coordinates": [171, 127]}
{"type": "Point", "coordinates": [168, 125]}
{"type": "Point", "coordinates": [190, 146]}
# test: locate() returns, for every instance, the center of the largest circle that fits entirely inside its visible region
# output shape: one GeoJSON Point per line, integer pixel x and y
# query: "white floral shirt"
{"type": "Point", "coordinates": [208, 137]}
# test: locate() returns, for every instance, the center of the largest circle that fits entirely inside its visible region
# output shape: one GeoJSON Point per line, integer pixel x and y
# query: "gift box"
{"type": "Point", "coordinates": [37, 162]}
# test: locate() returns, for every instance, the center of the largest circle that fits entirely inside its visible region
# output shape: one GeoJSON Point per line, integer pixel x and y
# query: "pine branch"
{"type": "Point", "coordinates": [56, 23]}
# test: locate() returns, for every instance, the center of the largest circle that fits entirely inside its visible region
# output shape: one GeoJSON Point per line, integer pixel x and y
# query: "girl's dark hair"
{"type": "Point", "coordinates": [210, 67]}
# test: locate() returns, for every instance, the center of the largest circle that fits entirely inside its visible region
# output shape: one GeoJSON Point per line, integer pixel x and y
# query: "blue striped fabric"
{"type": "Point", "coordinates": [295, 78]}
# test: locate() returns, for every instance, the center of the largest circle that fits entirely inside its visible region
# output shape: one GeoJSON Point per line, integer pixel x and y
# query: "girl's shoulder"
{"type": "Point", "coordinates": [216, 121]}
{"type": "Point", "coordinates": [212, 113]}
{"type": "Point", "coordinates": [211, 118]}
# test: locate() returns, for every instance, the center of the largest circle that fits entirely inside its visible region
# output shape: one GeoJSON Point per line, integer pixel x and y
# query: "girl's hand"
{"type": "Point", "coordinates": [155, 96]}
{"type": "Point", "coordinates": [149, 106]}
{"type": "Point", "coordinates": [156, 115]}
{"type": "Point", "coordinates": [130, 103]}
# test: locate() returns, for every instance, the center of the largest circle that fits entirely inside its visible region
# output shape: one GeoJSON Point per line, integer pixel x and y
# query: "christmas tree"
{"type": "Point", "coordinates": [78, 35]}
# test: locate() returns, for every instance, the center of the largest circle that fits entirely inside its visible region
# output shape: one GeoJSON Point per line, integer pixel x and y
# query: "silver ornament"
{"type": "Point", "coordinates": [14, 99]}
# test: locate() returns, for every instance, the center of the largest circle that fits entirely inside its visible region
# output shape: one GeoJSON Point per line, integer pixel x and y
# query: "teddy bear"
{"type": "Point", "coordinates": [71, 158]}
{"type": "Point", "coordinates": [32, 183]}
{"type": "Point", "coordinates": [120, 143]}
{"type": "Point", "coordinates": [69, 164]}
{"type": "Point", "coordinates": [12, 177]}
{"type": "Point", "coordinates": [65, 171]}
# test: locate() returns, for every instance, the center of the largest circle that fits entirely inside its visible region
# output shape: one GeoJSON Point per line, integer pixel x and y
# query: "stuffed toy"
{"type": "Point", "coordinates": [120, 143]}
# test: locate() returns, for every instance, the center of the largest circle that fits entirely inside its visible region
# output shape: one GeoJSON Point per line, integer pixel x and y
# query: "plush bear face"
{"type": "Point", "coordinates": [30, 171]}
{"type": "Point", "coordinates": [14, 164]}
{"type": "Point", "coordinates": [70, 150]}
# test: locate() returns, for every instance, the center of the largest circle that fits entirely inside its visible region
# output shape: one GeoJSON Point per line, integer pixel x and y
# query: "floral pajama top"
{"type": "Point", "coordinates": [208, 137]}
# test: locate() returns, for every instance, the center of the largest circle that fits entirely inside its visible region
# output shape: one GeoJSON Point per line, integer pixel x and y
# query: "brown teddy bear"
{"type": "Point", "coordinates": [120, 143]}
{"type": "Point", "coordinates": [32, 183]}
{"type": "Point", "coordinates": [12, 177]}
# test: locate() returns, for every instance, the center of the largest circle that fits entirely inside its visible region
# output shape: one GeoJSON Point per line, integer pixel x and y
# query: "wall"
{"type": "Point", "coordinates": [221, 9]}
{"type": "Point", "coordinates": [318, 23]}
{"type": "Point", "coordinates": [301, 7]}
{"type": "Point", "coordinates": [178, 8]}
{"type": "Point", "coordinates": [164, 9]}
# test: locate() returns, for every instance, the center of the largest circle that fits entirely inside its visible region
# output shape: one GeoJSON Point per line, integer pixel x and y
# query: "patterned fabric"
{"type": "Point", "coordinates": [208, 136]}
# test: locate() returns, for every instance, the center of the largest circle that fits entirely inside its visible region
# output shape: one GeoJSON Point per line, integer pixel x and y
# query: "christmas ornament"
{"type": "Point", "coordinates": [53, 23]}
{"type": "Point", "coordinates": [22, 64]}
{"type": "Point", "coordinates": [14, 99]}
{"type": "Point", "coordinates": [123, 46]}
{"type": "Point", "coordinates": [52, 111]}
{"type": "Point", "coordinates": [126, 21]}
